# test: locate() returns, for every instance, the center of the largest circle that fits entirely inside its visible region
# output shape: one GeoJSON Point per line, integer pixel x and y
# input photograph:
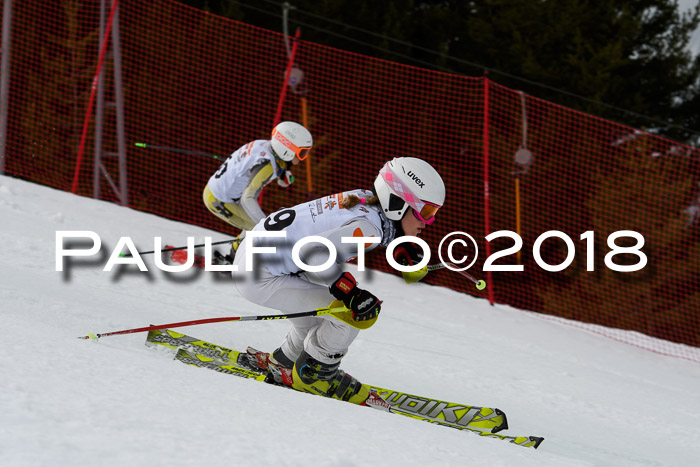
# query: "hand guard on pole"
{"type": "Point", "coordinates": [408, 254]}
{"type": "Point", "coordinates": [363, 304]}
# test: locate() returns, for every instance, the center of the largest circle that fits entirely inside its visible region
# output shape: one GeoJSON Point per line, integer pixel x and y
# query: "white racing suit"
{"type": "Point", "coordinates": [277, 282]}
{"type": "Point", "coordinates": [232, 192]}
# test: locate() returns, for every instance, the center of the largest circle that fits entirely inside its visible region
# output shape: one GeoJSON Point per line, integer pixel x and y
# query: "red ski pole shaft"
{"type": "Point", "coordinates": [166, 249]}
{"type": "Point", "coordinates": [317, 312]}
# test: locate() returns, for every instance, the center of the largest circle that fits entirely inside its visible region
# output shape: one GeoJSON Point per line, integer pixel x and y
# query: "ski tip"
{"type": "Point", "coordinates": [503, 425]}
{"type": "Point", "coordinates": [538, 440]}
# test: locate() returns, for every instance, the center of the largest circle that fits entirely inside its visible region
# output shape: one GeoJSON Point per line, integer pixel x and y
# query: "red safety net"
{"type": "Point", "coordinates": [198, 82]}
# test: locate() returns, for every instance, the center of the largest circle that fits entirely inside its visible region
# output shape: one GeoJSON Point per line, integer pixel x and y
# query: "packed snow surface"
{"type": "Point", "coordinates": [115, 402]}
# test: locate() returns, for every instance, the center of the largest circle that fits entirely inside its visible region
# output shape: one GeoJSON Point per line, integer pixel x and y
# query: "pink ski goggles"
{"type": "Point", "coordinates": [423, 210]}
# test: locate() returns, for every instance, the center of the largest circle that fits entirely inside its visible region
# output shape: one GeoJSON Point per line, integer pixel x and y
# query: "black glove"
{"type": "Point", "coordinates": [408, 254]}
{"type": "Point", "coordinates": [363, 304]}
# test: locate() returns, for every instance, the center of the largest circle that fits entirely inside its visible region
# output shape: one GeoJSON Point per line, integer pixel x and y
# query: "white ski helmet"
{"type": "Point", "coordinates": [290, 139]}
{"type": "Point", "coordinates": [409, 182]}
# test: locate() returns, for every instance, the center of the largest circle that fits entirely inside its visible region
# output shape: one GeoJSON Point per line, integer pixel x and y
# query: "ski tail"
{"type": "Point", "coordinates": [202, 361]}
{"type": "Point", "coordinates": [176, 340]}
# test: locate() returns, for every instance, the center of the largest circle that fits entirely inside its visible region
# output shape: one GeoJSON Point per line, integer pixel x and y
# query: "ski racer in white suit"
{"type": "Point", "coordinates": [407, 194]}
{"type": "Point", "coordinates": [232, 192]}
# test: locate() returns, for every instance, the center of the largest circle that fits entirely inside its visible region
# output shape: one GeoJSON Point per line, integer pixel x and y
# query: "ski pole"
{"type": "Point", "coordinates": [126, 255]}
{"type": "Point", "coordinates": [178, 150]}
{"type": "Point", "coordinates": [480, 283]}
{"type": "Point", "coordinates": [316, 312]}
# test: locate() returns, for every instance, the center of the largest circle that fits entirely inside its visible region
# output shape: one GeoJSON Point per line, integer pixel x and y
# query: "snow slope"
{"type": "Point", "coordinates": [71, 402]}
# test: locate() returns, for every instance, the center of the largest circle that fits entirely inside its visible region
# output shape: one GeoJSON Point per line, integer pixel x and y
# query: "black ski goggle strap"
{"type": "Point", "coordinates": [395, 203]}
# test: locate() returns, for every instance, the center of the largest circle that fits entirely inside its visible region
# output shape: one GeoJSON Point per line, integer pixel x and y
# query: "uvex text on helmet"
{"type": "Point", "coordinates": [409, 182]}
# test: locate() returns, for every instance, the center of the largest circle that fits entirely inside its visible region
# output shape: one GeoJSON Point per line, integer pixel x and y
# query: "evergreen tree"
{"type": "Point", "coordinates": [629, 54]}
